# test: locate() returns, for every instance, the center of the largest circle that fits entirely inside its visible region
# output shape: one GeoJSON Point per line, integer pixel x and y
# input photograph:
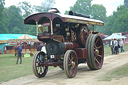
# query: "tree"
{"type": "Point", "coordinates": [16, 30]}
{"type": "Point", "coordinates": [108, 25]}
{"type": "Point", "coordinates": [121, 19]}
{"type": "Point", "coordinates": [14, 18]}
{"type": "Point", "coordinates": [31, 29]}
{"type": "Point", "coordinates": [126, 3]}
{"type": "Point", "coordinates": [26, 8]}
{"type": "Point", "coordinates": [98, 12]}
{"type": "Point", "coordinates": [118, 21]}
{"type": "Point", "coordinates": [82, 6]}
{"type": "Point", "coordinates": [3, 28]}
{"type": "Point", "coordinates": [2, 3]}
{"type": "Point", "coordinates": [45, 6]}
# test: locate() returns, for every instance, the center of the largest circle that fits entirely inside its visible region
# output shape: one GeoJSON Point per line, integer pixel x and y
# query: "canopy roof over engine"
{"type": "Point", "coordinates": [32, 19]}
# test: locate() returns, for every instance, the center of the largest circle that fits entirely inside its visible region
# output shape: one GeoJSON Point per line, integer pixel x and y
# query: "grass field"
{"type": "Point", "coordinates": [107, 49]}
{"type": "Point", "coordinates": [10, 70]}
{"type": "Point", "coordinates": [116, 73]}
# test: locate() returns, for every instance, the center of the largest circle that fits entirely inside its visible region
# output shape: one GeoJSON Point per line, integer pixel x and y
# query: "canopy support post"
{"type": "Point", "coordinates": [51, 29]}
{"type": "Point", "coordinates": [93, 28]}
{"type": "Point", "coordinates": [36, 28]}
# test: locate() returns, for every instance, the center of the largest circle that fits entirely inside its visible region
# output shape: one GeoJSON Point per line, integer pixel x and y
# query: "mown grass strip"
{"type": "Point", "coordinates": [10, 70]}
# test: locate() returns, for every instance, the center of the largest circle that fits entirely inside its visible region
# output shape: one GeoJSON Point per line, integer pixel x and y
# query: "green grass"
{"type": "Point", "coordinates": [116, 73]}
{"type": "Point", "coordinates": [10, 70]}
{"type": "Point", "coordinates": [107, 49]}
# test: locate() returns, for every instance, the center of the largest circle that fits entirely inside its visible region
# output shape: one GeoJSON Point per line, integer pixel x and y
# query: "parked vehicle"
{"type": "Point", "coordinates": [69, 42]}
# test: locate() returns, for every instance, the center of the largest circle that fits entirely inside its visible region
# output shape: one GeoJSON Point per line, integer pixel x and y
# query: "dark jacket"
{"type": "Point", "coordinates": [19, 50]}
{"type": "Point", "coordinates": [39, 47]}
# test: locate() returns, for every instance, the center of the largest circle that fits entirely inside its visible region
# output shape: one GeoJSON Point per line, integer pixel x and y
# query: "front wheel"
{"type": "Point", "coordinates": [70, 63]}
{"type": "Point", "coordinates": [95, 51]}
{"type": "Point", "coordinates": [38, 64]}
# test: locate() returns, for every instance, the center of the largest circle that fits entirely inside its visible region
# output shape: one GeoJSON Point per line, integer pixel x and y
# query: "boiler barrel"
{"type": "Point", "coordinates": [70, 45]}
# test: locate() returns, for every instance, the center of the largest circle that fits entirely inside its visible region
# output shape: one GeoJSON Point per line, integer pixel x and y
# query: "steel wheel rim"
{"type": "Point", "coordinates": [98, 52]}
{"type": "Point", "coordinates": [38, 65]}
{"type": "Point", "coordinates": [72, 65]}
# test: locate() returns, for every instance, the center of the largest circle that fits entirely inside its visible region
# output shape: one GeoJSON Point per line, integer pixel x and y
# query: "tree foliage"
{"type": "Point", "coordinates": [2, 3]}
{"type": "Point", "coordinates": [3, 27]}
{"type": "Point", "coordinates": [82, 6]}
{"type": "Point", "coordinates": [126, 3]}
{"type": "Point", "coordinates": [26, 8]}
{"type": "Point", "coordinates": [45, 6]}
{"type": "Point", "coordinates": [118, 21]}
{"type": "Point", "coordinates": [12, 18]}
{"type": "Point", "coordinates": [98, 12]}
{"type": "Point", "coordinates": [15, 18]}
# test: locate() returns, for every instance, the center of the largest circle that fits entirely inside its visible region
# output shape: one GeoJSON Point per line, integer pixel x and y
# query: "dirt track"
{"type": "Point", "coordinates": [84, 75]}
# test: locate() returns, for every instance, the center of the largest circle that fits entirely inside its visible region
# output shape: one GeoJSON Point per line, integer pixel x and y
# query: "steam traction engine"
{"type": "Point", "coordinates": [69, 42]}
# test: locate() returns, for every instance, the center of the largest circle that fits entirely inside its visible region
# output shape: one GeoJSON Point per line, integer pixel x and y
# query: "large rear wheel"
{"type": "Point", "coordinates": [95, 52]}
{"type": "Point", "coordinates": [70, 63]}
{"type": "Point", "coordinates": [38, 64]}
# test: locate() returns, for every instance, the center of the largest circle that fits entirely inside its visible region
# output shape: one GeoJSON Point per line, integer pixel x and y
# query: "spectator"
{"type": "Point", "coordinates": [112, 46]}
{"type": "Point", "coordinates": [118, 46]}
{"type": "Point", "coordinates": [40, 47]}
{"type": "Point", "coordinates": [0, 51]}
{"type": "Point", "coordinates": [15, 49]}
{"type": "Point", "coordinates": [115, 46]}
{"type": "Point", "coordinates": [121, 45]}
{"type": "Point", "coordinates": [19, 49]}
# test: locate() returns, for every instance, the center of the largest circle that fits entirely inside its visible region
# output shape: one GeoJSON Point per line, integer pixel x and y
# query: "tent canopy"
{"type": "Point", "coordinates": [13, 36]}
{"type": "Point", "coordinates": [25, 37]}
{"type": "Point", "coordinates": [114, 36]}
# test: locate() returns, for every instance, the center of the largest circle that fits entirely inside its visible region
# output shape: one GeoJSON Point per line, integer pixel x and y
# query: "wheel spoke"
{"type": "Point", "coordinates": [71, 69]}
{"type": "Point", "coordinates": [100, 56]}
{"type": "Point", "coordinates": [94, 45]}
{"type": "Point", "coordinates": [69, 64]}
{"type": "Point", "coordinates": [39, 58]}
{"type": "Point", "coordinates": [97, 41]}
{"type": "Point", "coordinates": [99, 47]}
{"type": "Point", "coordinates": [40, 69]}
{"type": "Point", "coordinates": [97, 61]}
{"type": "Point", "coordinates": [71, 59]}
{"type": "Point", "coordinates": [94, 52]}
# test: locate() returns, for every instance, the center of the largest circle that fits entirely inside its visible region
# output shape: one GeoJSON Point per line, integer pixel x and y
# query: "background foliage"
{"type": "Point", "coordinates": [12, 18]}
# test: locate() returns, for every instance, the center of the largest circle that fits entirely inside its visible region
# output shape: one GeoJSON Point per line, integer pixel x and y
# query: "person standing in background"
{"type": "Point", "coordinates": [40, 46]}
{"type": "Point", "coordinates": [112, 46]}
{"type": "Point", "coordinates": [121, 45]}
{"type": "Point", "coordinates": [19, 50]}
{"type": "Point", "coordinates": [115, 46]}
